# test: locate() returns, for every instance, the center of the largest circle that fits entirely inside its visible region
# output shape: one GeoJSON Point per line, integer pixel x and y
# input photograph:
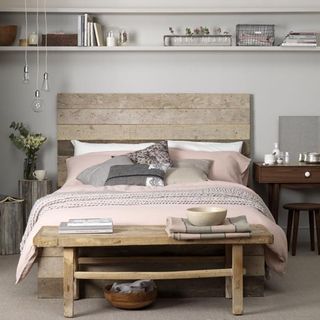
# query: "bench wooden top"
{"type": "Point", "coordinates": [48, 236]}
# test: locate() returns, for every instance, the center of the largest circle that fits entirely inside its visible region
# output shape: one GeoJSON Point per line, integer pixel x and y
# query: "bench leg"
{"type": "Point", "coordinates": [68, 281]}
{"type": "Point", "coordinates": [228, 280]}
{"type": "Point", "coordinates": [237, 279]}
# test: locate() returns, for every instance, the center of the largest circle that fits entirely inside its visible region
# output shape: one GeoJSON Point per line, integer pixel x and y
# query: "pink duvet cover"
{"type": "Point", "coordinates": [276, 253]}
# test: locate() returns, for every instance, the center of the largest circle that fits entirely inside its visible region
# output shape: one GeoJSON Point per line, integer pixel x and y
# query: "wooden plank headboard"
{"type": "Point", "coordinates": [150, 117]}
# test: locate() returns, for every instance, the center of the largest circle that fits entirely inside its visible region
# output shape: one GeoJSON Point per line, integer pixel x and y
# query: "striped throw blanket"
{"type": "Point", "coordinates": [213, 195]}
{"type": "Point", "coordinates": [182, 229]}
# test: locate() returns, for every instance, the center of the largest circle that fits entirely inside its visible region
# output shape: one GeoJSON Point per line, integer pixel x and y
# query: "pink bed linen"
{"type": "Point", "coordinates": [276, 253]}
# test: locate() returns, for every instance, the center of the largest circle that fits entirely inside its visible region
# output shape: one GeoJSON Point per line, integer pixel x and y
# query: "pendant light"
{"type": "Point", "coordinates": [37, 102]}
{"type": "Point", "coordinates": [26, 76]}
{"type": "Point", "coordinates": [45, 82]}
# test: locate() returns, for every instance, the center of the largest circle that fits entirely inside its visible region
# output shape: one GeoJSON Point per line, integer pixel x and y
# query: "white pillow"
{"type": "Point", "coordinates": [88, 147]}
{"type": "Point", "coordinates": [206, 146]}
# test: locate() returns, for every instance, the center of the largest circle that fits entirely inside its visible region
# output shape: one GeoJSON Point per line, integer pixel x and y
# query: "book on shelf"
{"type": "Point", "coordinates": [307, 39]}
{"type": "Point", "coordinates": [7, 199]}
{"type": "Point", "coordinates": [90, 33]}
{"type": "Point", "coordinates": [98, 34]}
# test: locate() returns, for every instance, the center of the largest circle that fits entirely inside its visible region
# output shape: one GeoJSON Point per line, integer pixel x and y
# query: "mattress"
{"type": "Point", "coordinates": [133, 205]}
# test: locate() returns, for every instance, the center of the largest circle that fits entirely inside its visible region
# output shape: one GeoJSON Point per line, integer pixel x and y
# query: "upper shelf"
{"type": "Point", "coordinates": [167, 10]}
{"type": "Point", "coordinates": [163, 49]}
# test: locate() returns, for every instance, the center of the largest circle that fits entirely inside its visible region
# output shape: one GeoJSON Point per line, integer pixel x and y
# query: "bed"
{"type": "Point", "coordinates": [133, 118]}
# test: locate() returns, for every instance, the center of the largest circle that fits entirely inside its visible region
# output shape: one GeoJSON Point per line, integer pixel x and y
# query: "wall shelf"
{"type": "Point", "coordinates": [167, 10]}
{"type": "Point", "coordinates": [162, 49]}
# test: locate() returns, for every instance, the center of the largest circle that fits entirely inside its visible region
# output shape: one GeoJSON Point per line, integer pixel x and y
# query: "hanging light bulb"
{"type": "Point", "coordinates": [37, 102]}
{"type": "Point", "coordinates": [26, 75]}
{"type": "Point", "coordinates": [45, 82]}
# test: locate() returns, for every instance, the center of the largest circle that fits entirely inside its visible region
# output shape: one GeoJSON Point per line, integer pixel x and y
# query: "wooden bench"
{"type": "Point", "coordinates": [147, 236]}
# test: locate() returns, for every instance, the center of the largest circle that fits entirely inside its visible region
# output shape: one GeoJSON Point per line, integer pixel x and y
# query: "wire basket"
{"type": "Point", "coordinates": [255, 34]}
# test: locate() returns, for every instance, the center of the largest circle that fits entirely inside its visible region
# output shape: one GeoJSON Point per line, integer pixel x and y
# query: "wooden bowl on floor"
{"type": "Point", "coordinates": [7, 35]}
{"type": "Point", "coordinates": [134, 300]}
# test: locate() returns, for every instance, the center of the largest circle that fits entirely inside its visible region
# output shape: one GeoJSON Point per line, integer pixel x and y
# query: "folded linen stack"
{"type": "Point", "coordinates": [182, 229]}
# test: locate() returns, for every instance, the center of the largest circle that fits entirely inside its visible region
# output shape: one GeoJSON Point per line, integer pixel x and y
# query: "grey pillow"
{"type": "Point", "coordinates": [185, 175]}
{"type": "Point", "coordinates": [137, 174]}
{"type": "Point", "coordinates": [155, 154]}
{"type": "Point", "coordinates": [98, 174]}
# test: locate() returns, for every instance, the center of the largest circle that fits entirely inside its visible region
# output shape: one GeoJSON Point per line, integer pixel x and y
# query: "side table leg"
{"type": "Point", "coordinates": [273, 199]}
{"type": "Point", "coordinates": [237, 279]}
{"type": "Point", "coordinates": [68, 281]}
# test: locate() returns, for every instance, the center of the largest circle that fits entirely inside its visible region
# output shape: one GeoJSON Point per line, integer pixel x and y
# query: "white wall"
{"type": "Point", "coordinates": [281, 83]}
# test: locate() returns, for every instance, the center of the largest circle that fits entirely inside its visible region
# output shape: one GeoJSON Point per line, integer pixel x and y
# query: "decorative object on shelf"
{"type": "Point", "coordinates": [33, 39]}
{"type": "Point", "coordinates": [30, 144]}
{"type": "Point", "coordinates": [7, 35]}
{"type": "Point", "coordinates": [255, 35]}
{"type": "Point", "coordinates": [198, 37]}
{"type": "Point", "coordinates": [123, 37]}
{"type": "Point", "coordinates": [111, 40]}
{"type": "Point", "coordinates": [23, 42]}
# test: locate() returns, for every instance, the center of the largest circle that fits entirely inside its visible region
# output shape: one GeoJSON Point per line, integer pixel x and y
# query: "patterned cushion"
{"type": "Point", "coordinates": [137, 174]}
{"type": "Point", "coordinates": [158, 153]}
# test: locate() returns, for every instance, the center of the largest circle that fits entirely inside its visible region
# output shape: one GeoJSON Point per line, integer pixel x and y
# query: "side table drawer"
{"type": "Point", "coordinates": [288, 174]}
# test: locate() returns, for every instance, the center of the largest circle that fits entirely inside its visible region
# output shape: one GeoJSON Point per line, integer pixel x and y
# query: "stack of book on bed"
{"type": "Point", "coordinates": [90, 225]}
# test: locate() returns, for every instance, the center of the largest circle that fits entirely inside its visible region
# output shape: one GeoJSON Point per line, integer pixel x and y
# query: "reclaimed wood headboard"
{"type": "Point", "coordinates": [150, 117]}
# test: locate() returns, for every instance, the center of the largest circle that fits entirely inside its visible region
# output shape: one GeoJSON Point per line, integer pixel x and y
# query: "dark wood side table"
{"type": "Point", "coordinates": [291, 175]}
{"type": "Point", "coordinates": [31, 191]}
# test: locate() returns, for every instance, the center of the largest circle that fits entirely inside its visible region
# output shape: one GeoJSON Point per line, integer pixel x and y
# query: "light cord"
{"type": "Point", "coordinates": [26, 33]}
{"type": "Point", "coordinates": [46, 35]}
{"type": "Point", "coordinates": [38, 63]}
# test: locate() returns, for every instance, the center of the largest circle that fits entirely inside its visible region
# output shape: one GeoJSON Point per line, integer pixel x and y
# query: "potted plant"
{"type": "Point", "coordinates": [30, 144]}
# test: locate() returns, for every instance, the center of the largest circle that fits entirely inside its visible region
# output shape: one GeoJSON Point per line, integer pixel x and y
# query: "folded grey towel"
{"type": "Point", "coordinates": [137, 286]}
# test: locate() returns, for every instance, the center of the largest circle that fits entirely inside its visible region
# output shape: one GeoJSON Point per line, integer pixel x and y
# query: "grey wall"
{"type": "Point", "coordinates": [281, 83]}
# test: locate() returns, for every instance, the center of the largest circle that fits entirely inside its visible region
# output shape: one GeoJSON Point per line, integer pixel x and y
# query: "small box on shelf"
{"type": "Point", "coordinates": [60, 39]}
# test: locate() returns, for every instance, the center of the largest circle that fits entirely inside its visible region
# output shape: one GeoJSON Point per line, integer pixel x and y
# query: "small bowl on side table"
{"type": "Point", "coordinates": [206, 216]}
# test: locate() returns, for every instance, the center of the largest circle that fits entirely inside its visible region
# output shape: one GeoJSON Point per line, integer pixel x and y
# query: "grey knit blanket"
{"type": "Point", "coordinates": [224, 195]}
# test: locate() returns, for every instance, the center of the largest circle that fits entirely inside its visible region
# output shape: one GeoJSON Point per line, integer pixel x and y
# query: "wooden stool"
{"type": "Point", "coordinates": [293, 218]}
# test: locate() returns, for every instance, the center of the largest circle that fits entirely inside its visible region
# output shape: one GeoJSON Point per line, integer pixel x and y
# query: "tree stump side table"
{"type": "Point", "coordinates": [31, 191]}
{"type": "Point", "coordinates": [11, 226]}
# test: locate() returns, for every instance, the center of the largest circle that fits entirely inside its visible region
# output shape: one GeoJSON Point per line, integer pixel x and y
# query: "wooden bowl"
{"type": "Point", "coordinates": [7, 35]}
{"type": "Point", "coordinates": [135, 300]}
{"type": "Point", "coordinates": [206, 216]}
